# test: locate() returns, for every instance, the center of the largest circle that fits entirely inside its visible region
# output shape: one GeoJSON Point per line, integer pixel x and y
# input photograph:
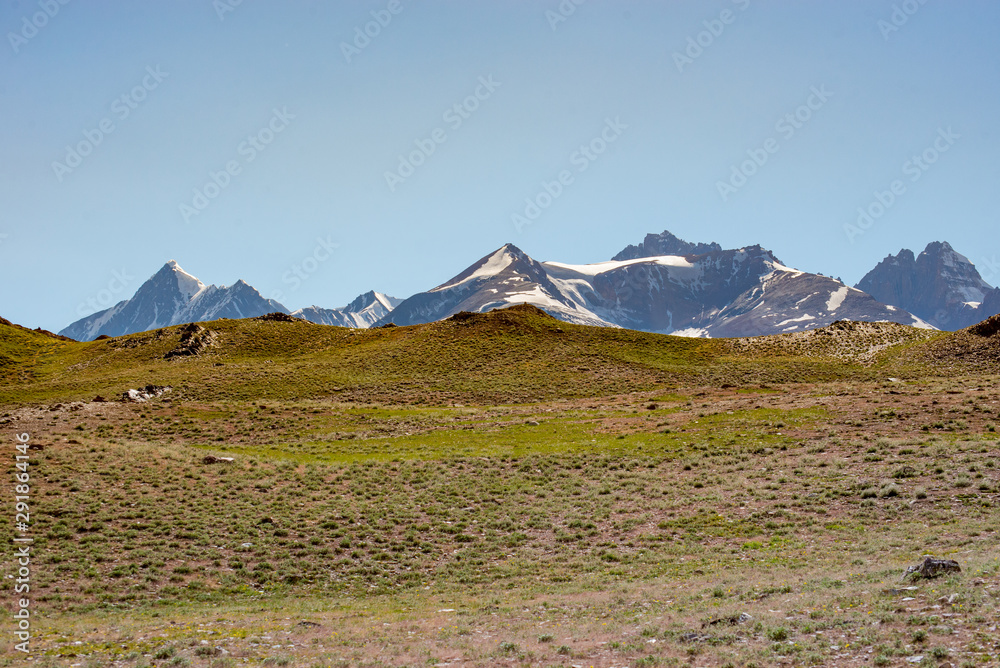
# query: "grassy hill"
{"type": "Point", "coordinates": [515, 355]}
{"type": "Point", "coordinates": [507, 489]}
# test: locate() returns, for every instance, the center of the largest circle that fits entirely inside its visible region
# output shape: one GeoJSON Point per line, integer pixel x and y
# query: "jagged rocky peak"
{"type": "Point", "coordinates": [665, 243]}
{"type": "Point", "coordinates": [939, 285]}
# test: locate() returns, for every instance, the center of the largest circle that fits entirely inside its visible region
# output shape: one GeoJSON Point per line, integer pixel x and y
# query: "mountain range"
{"type": "Point", "coordinates": [664, 284]}
{"type": "Point", "coordinates": [173, 297]}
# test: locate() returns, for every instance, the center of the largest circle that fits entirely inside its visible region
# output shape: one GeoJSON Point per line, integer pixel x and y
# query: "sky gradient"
{"type": "Point", "coordinates": [243, 139]}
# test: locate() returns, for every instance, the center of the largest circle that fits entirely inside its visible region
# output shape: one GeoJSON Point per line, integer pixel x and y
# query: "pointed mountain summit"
{"type": "Point", "coordinates": [504, 277]}
{"type": "Point", "coordinates": [940, 285]}
{"type": "Point", "coordinates": [172, 296]}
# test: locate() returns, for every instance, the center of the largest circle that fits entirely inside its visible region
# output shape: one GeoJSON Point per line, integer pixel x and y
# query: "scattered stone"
{"type": "Point", "coordinates": [212, 459]}
{"type": "Point", "coordinates": [195, 339]}
{"type": "Point", "coordinates": [144, 395]}
{"type": "Point", "coordinates": [900, 590]}
{"type": "Point", "coordinates": [532, 423]}
{"type": "Point", "coordinates": [732, 620]}
{"type": "Point", "coordinates": [932, 568]}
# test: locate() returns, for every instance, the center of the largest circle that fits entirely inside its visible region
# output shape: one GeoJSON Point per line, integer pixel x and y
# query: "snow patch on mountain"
{"type": "Point", "coordinates": [837, 298]}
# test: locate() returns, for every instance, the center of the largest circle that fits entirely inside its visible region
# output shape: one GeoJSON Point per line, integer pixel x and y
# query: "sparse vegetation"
{"type": "Point", "coordinates": [497, 504]}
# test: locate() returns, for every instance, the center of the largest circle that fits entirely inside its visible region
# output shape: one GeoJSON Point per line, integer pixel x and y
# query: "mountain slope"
{"type": "Point", "coordinates": [739, 292]}
{"type": "Point", "coordinates": [363, 312]}
{"type": "Point", "coordinates": [170, 297]}
{"type": "Point", "coordinates": [506, 276]}
{"type": "Point", "coordinates": [940, 285]}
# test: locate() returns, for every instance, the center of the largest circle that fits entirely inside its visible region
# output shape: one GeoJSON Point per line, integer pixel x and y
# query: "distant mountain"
{"type": "Point", "coordinates": [361, 313]}
{"type": "Point", "coordinates": [940, 286]}
{"type": "Point", "coordinates": [740, 292]}
{"type": "Point", "coordinates": [172, 297]}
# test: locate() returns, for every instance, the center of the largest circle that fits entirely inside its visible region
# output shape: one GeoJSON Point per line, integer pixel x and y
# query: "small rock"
{"type": "Point", "coordinates": [732, 620]}
{"type": "Point", "coordinates": [143, 395]}
{"type": "Point", "coordinates": [932, 568]}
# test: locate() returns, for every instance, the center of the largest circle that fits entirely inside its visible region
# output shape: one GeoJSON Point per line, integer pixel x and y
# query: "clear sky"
{"type": "Point", "coordinates": [116, 115]}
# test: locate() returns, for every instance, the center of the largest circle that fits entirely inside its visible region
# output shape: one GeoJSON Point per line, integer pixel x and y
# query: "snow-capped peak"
{"type": "Point", "coordinates": [172, 297]}
{"type": "Point", "coordinates": [491, 265]}
{"type": "Point", "coordinates": [188, 285]}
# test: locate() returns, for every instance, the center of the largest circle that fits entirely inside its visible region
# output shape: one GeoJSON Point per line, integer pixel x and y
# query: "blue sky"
{"type": "Point", "coordinates": [161, 96]}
